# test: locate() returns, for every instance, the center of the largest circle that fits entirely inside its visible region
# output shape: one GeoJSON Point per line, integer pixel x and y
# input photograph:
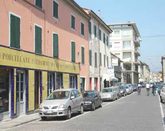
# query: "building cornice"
{"type": "Point", "coordinates": [93, 14]}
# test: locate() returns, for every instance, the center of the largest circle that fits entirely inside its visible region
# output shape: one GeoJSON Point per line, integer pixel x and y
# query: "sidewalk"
{"type": "Point", "coordinates": [9, 123]}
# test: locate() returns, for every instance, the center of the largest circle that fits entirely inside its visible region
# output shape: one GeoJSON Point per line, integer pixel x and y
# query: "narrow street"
{"type": "Point", "coordinates": [130, 113]}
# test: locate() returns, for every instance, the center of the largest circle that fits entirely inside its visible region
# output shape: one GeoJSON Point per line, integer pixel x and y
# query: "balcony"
{"type": "Point", "coordinates": [137, 41]}
{"type": "Point", "coordinates": [137, 52]}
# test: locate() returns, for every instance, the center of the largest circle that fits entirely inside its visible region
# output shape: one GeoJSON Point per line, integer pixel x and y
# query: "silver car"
{"type": "Point", "coordinates": [110, 93]}
{"type": "Point", "coordinates": [162, 94]}
{"type": "Point", "coordinates": [61, 102]}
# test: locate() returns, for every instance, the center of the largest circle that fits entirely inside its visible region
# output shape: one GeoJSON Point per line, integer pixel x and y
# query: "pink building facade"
{"type": "Point", "coordinates": [43, 47]}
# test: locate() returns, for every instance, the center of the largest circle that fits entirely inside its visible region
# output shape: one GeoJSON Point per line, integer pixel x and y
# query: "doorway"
{"type": "Point", "coordinates": [20, 92]}
{"type": "Point", "coordinates": [37, 90]}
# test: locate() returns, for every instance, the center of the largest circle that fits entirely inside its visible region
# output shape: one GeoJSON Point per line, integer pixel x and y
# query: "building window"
{"type": "Point", "coordinates": [82, 55]}
{"type": "Point", "coordinates": [38, 3]}
{"type": "Point", "coordinates": [95, 30]}
{"type": "Point", "coordinates": [104, 60]}
{"type": "Point", "coordinates": [127, 55]}
{"type": "Point", "coordinates": [95, 59]}
{"type": "Point", "coordinates": [73, 52]}
{"type": "Point", "coordinates": [90, 57]}
{"type": "Point", "coordinates": [107, 41]}
{"type": "Point", "coordinates": [73, 81]}
{"type": "Point", "coordinates": [51, 82]}
{"type": "Point", "coordinates": [104, 38]}
{"type": "Point", "coordinates": [126, 44]}
{"type": "Point", "coordinates": [82, 84]}
{"type": "Point", "coordinates": [107, 61]}
{"type": "Point", "coordinates": [14, 31]}
{"type": "Point", "coordinates": [38, 40]}
{"type": "Point", "coordinates": [99, 34]}
{"type": "Point", "coordinates": [82, 29]}
{"type": "Point", "coordinates": [55, 9]}
{"type": "Point", "coordinates": [100, 59]}
{"type": "Point", "coordinates": [89, 27]}
{"type": "Point", "coordinates": [73, 22]}
{"type": "Point", "coordinates": [55, 45]}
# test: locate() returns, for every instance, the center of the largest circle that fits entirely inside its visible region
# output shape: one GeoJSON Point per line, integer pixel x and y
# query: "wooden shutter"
{"type": "Point", "coordinates": [39, 3]}
{"type": "Point", "coordinates": [14, 31]}
{"type": "Point", "coordinates": [73, 52]}
{"type": "Point", "coordinates": [82, 55]}
{"type": "Point", "coordinates": [38, 40]}
{"type": "Point", "coordinates": [55, 9]}
{"type": "Point", "coordinates": [55, 45]}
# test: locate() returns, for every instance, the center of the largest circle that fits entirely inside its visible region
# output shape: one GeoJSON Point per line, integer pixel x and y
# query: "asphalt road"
{"type": "Point", "coordinates": [131, 113]}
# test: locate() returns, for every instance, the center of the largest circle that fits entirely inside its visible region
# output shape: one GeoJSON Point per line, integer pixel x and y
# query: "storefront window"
{"type": "Point", "coordinates": [4, 90]}
{"type": "Point", "coordinates": [73, 81]}
{"type": "Point", "coordinates": [51, 82]}
{"type": "Point", "coordinates": [59, 80]}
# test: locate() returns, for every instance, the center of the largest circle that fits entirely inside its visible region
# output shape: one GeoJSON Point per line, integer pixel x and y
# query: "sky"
{"type": "Point", "coordinates": [149, 16]}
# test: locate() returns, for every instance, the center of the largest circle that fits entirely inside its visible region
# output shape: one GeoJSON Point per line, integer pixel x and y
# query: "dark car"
{"type": "Point", "coordinates": [92, 100]}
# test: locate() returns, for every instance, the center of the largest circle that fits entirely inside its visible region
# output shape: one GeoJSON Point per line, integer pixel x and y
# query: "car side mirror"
{"type": "Point", "coordinates": [72, 97]}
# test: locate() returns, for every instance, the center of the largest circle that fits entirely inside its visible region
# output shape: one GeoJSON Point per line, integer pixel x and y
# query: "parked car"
{"type": "Point", "coordinates": [162, 95]}
{"type": "Point", "coordinates": [62, 102]}
{"type": "Point", "coordinates": [135, 87]}
{"type": "Point", "coordinates": [109, 93]}
{"type": "Point", "coordinates": [92, 100]}
{"type": "Point", "coordinates": [122, 90]}
{"type": "Point", "coordinates": [129, 88]}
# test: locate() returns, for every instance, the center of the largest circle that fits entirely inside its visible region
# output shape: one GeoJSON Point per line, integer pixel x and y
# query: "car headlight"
{"type": "Point", "coordinates": [62, 106]}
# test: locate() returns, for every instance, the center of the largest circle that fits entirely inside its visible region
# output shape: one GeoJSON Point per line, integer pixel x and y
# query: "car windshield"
{"type": "Point", "coordinates": [106, 90]}
{"type": "Point", "coordinates": [89, 94]}
{"type": "Point", "coordinates": [59, 95]}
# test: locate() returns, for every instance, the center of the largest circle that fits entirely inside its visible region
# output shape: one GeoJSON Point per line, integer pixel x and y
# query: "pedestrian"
{"type": "Point", "coordinates": [148, 89]}
{"type": "Point", "coordinates": [153, 89]}
{"type": "Point", "coordinates": [139, 89]}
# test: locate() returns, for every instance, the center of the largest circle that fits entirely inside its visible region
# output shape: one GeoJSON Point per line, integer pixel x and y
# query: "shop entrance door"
{"type": "Point", "coordinates": [37, 89]}
{"type": "Point", "coordinates": [20, 92]}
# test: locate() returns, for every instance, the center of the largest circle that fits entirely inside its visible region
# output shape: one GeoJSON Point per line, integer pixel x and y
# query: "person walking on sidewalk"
{"type": "Point", "coordinates": [139, 89]}
{"type": "Point", "coordinates": [148, 89]}
{"type": "Point", "coordinates": [153, 89]}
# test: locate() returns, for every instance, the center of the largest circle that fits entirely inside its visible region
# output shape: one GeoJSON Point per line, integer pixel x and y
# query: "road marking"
{"type": "Point", "coordinates": [162, 113]}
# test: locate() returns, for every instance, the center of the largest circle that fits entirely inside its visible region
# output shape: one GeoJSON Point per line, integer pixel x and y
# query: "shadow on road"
{"type": "Point", "coordinates": [61, 118]}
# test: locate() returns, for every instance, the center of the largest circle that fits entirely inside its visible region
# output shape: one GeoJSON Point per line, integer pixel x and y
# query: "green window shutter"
{"type": "Point", "coordinates": [89, 27]}
{"type": "Point", "coordinates": [82, 29]}
{"type": "Point", "coordinates": [100, 59]}
{"type": "Point", "coordinates": [55, 45]}
{"type": "Point", "coordinates": [82, 55]}
{"type": "Point", "coordinates": [14, 31]}
{"type": "Point", "coordinates": [99, 34]}
{"type": "Point", "coordinates": [38, 40]}
{"type": "Point", "coordinates": [90, 57]}
{"type": "Point", "coordinates": [73, 51]}
{"type": "Point", "coordinates": [95, 59]}
{"type": "Point", "coordinates": [39, 3]}
{"type": "Point", "coordinates": [104, 38]}
{"type": "Point", "coordinates": [55, 9]}
{"type": "Point", "coordinates": [73, 22]}
{"type": "Point", "coordinates": [95, 30]}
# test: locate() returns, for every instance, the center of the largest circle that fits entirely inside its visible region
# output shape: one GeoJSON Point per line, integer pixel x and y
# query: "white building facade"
{"type": "Point", "coordinates": [125, 41]}
{"type": "Point", "coordinates": [99, 51]}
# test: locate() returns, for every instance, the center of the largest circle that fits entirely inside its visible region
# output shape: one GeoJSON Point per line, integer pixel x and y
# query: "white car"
{"type": "Point", "coordinates": [162, 94]}
{"type": "Point", "coordinates": [61, 102]}
{"type": "Point", "coordinates": [109, 93]}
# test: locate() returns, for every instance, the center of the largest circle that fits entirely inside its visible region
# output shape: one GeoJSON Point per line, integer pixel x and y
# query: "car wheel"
{"type": "Point", "coordinates": [68, 113]}
{"type": "Point", "coordinates": [81, 109]}
{"type": "Point", "coordinates": [43, 118]}
{"type": "Point", "coordinates": [93, 107]}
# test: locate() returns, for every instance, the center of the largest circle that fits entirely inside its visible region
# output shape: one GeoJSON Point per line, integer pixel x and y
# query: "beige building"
{"type": "Point", "coordinates": [144, 72]}
{"type": "Point", "coordinates": [125, 41]}
{"type": "Point", "coordinates": [163, 68]}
